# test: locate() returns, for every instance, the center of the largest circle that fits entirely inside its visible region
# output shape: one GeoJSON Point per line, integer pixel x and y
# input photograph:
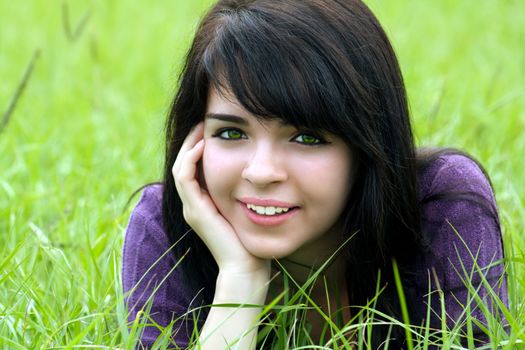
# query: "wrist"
{"type": "Point", "coordinates": [245, 267]}
{"type": "Point", "coordinates": [241, 287]}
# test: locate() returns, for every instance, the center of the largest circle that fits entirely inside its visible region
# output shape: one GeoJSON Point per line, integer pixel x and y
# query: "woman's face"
{"type": "Point", "coordinates": [282, 189]}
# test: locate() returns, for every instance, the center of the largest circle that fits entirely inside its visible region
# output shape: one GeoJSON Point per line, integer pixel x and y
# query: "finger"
{"type": "Point", "coordinates": [188, 163]}
{"type": "Point", "coordinates": [193, 137]}
{"type": "Point", "coordinates": [186, 178]}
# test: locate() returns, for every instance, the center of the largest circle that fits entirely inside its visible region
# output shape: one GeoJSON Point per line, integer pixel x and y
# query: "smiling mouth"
{"type": "Point", "coordinates": [268, 210]}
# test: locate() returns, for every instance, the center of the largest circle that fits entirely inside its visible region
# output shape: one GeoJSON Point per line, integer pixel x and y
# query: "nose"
{"type": "Point", "coordinates": [264, 167]}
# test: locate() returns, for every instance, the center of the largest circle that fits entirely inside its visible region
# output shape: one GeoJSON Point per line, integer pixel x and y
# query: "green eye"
{"type": "Point", "coordinates": [308, 139]}
{"type": "Point", "coordinates": [231, 134]}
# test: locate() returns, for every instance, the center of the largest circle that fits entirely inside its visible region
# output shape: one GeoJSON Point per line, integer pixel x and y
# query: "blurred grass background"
{"type": "Point", "coordinates": [87, 132]}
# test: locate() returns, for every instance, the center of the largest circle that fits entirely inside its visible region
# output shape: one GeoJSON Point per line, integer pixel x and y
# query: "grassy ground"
{"type": "Point", "coordinates": [87, 131]}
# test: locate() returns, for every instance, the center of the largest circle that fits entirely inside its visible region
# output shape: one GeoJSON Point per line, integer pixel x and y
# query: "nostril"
{"type": "Point", "coordinates": [263, 176]}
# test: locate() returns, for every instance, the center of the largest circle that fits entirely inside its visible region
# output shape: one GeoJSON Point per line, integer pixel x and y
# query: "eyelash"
{"type": "Point", "coordinates": [318, 139]}
{"type": "Point", "coordinates": [220, 132]}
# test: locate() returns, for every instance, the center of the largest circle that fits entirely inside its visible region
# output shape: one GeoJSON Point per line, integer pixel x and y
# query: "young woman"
{"type": "Point", "coordinates": [289, 144]}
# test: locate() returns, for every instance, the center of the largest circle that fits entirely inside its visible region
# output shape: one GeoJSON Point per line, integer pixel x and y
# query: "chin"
{"type": "Point", "coordinates": [269, 252]}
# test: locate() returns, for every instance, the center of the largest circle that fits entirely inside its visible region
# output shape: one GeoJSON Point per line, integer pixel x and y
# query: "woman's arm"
{"type": "Point", "coordinates": [243, 278]}
{"type": "Point", "coordinates": [153, 285]}
{"type": "Point", "coordinates": [227, 324]}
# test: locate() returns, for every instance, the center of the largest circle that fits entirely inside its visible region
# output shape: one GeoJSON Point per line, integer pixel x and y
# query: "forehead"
{"type": "Point", "coordinates": [223, 105]}
{"type": "Point", "coordinates": [223, 102]}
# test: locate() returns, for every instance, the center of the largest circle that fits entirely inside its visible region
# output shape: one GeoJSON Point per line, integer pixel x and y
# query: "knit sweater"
{"type": "Point", "coordinates": [459, 222]}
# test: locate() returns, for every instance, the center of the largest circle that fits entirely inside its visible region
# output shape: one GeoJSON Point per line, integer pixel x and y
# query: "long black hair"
{"type": "Point", "coordinates": [324, 65]}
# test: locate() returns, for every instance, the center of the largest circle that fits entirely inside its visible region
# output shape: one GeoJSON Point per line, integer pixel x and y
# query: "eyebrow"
{"type": "Point", "coordinates": [227, 118]}
{"type": "Point", "coordinates": [236, 119]}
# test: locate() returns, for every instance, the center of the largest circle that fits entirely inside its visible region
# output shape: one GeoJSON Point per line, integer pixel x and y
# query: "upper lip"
{"type": "Point", "coordinates": [266, 202]}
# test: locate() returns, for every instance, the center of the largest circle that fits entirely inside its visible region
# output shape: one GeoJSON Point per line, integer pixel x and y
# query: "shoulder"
{"type": "Point", "coordinates": [149, 206]}
{"type": "Point", "coordinates": [151, 280]}
{"type": "Point", "coordinates": [145, 228]}
{"type": "Point", "coordinates": [461, 234]}
{"type": "Point", "coordinates": [453, 173]}
{"type": "Point", "coordinates": [458, 211]}
{"type": "Point", "coordinates": [456, 197]}
{"type": "Point", "coordinates": [145, 237]}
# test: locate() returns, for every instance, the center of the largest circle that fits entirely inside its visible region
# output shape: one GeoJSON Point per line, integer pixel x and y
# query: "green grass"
{"type": "Point", "coordinates": [87, 132]}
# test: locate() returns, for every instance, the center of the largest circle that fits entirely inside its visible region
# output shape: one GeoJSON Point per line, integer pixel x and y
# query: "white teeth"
{"type": "Point", "coordinates": [260, 210]}
{"type": "Point", "coordinates": [267, 210]}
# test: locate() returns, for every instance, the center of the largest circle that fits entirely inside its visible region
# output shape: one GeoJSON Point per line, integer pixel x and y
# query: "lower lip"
{"type": "Point", "coordinates": [268, 220]}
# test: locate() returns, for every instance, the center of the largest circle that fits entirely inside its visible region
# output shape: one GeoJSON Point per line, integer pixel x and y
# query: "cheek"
{"type": "Point", "coordinates": [328, 180]}
{"type": "Point", "coordinates": [341, 180]}
{"type": "Point", "coordinates": [220, 170]}
{"type": "Point", "coordinates": [340, 175]}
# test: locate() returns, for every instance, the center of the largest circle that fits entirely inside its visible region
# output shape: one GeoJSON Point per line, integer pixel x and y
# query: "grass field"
{"type": "Point", "coordinates": [87, 131]}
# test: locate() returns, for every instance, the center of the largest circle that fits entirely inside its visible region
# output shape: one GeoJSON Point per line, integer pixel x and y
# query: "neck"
{"type": "Point", "coordinates": [328, 292]}
{"type": "Point", "coordinates": [324, 259]}
{"type": "Point", "coordinates": [323, 255]}
{"type": "Point", "coordinates": [325, 268]}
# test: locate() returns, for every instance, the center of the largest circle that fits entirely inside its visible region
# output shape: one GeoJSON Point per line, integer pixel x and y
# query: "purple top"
{"type": "Point", "coordinates": [450, 226]}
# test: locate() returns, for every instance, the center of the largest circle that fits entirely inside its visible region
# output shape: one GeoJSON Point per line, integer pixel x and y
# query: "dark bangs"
{"type": "Point", "coordinates": [277, 66]}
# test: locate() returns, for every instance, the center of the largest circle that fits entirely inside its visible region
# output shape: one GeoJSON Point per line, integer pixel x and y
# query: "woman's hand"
{"type": "Point", "coordinates": [202, 215]}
